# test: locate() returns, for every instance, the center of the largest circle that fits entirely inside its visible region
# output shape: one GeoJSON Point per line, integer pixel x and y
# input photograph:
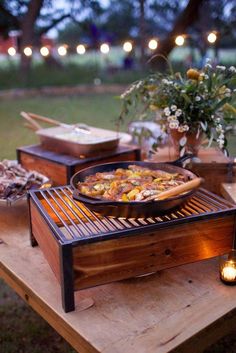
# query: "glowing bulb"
{"type": "Point", "coordinates": [11, 51]}
{"type": "Point", "coordinates": [62, 51]}
{"type": "Point", "coordinates": [28, 51]}
{"type": "Point", "coordinates": [81, 49]}
{"type": "Point", "coordinates": [153, 44]}
{"type": "Point", "coordinates": [104, 48]}
{"type": "Point", "coordinates": [44, 51]}
{"type": "Point", "coordinates": [179, 40]}
{"type": "Point", "coordinates": [127, 46]}
{"type": "Point", "coordinates": [211, 37]}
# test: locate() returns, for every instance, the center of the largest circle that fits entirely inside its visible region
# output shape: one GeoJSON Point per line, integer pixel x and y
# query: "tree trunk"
{"type": "Point", "coordinates": [142, 33]}
{"type": "Point", "coordinates": [27, 34]}
{"type": "Point", "coordinates": [186, 18]}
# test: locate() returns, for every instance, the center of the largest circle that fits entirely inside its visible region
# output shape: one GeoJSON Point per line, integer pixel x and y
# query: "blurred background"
{"type": "Point", "coordinates": [69, 42]}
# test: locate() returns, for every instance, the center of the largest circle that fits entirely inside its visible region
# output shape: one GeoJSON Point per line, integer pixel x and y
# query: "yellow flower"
{"type": "Point", "coordinates": [193, 74]}
{"type": "Point", "coordinates": [151, 87]}
{"type": "Point", "coordinates": [153, 107]}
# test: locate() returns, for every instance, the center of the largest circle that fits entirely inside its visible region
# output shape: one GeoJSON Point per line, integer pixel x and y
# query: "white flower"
{"type": "Point", "coordinates": [185, 127]}
{"type": "Point", "coordinates": [174, 125]}
{"type": "Point", "coordinates": [227, 92]}
{"type": "Point", "coordinates": [165, 81]}
{"type": "Point", "coordinates": [197, 98]}
{"type": "Point", "coordinates": [167, 111]}
{"type": "Point", "coordinates": [206, 77]}
{"type": "Point", "coordinates": [172, 118]}
{"type": "Point", "coordinates": [208, 66]}
{"type": "Point", "coordinates": [219, 67]}
{"type": "Point", "coordinates": [235, 90]}
{"type": "Point", "coordinates": [178, 112]}
{"type": "Point", "coordinates": [232, 69]}
{"type": "Point", "coordinates": [221, 136]}
{"type": "Point", "coordinates": [220, 142]}
{"type": "Point", "coordinates": [183, 91]}
{"type": "Point", "coordinates": [219, 128]}
{"type": "Point", "coordinates": [212, 116]}
{"type": "Point", "coordinates": [181, 129]}
{"type": "Point", "coordinates": [173, 108]}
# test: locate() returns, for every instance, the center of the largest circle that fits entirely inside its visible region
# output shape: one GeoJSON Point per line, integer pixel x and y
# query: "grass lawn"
{"type": "Point", "coordinates": [98, 110]}
{"type": "Point", "coordinates": [22, 330]}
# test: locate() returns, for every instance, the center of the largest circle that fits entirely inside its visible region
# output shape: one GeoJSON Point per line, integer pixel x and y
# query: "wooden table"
{"type": "Point", "coordinates": [184, 309]}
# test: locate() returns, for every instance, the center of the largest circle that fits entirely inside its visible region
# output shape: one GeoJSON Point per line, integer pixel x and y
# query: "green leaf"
{"type": "Point", "coordinates": [221, 103]}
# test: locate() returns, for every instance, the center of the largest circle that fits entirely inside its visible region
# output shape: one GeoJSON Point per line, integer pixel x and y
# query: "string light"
{"type": "Point", "coordinates": [62, 51]}
{"type": "Point", "coordinates": [153, 44]}
{"type": "Point", "coordinates": [44, 51]}
{"type": "Point", "coordinates": [179, 40]}
{"type": "Point", "coordinates": [28, 51]}
{"type": "Point", "coordinates": [212, 37]}
{"type": "Point", "coordinates": [11, 51]}
{"type": "Point", "coordinates": [81, 49]}
{"type": "Point", "coordinates": [127, 47]}
{"type": "Point", "coordinates": [104, 48]}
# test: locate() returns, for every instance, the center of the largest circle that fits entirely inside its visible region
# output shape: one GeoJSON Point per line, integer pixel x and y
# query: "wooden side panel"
{"type": "Point", "coordinates": [45, 240]}
{"type": "Point", "coordinates": [56, 172]}
{"type": "Point", "coordinates": [117, 259]}
{"type": "Point", "coordinates": [214, 175]}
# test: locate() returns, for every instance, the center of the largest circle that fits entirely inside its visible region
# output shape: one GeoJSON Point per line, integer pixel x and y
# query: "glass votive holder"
{"type": "Point", "coordinates": [228, 268]}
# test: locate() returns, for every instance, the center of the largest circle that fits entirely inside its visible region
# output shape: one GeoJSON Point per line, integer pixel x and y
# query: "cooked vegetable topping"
{"type": "Point", "coordinates": [133, 184]}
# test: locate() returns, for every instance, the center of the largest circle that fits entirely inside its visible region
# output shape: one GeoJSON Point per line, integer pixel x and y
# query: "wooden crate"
{"type": "Point", "coordinates": [60, 168]}
{"type": "Point", "coordinates": [85, 250]}
{"type": "Point", "coordinates": [213, 166]}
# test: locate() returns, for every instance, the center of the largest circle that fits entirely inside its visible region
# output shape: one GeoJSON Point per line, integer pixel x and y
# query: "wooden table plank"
{"type": "Point", "coordinates": [181, 309]}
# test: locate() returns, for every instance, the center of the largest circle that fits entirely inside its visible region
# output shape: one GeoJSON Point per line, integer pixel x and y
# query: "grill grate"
{"type": "Point", "coordinates": [72, 222]}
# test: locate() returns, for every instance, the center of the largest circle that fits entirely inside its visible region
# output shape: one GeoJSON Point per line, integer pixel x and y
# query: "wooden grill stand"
{"type": "Point", "coordinates": [85, 250]}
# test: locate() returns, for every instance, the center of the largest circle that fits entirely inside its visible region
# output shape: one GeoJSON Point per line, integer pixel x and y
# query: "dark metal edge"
{"type": "Point", "coordinates": [67, 278]}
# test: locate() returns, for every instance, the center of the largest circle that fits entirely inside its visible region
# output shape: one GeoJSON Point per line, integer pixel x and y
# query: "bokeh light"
{"type": "Point", "coordinates": [11, 51]}
{"type": "Point", "coordinates": [28, 51]}
{"type": "Point", "coordinates": [127, 47]}
{"type": "Point", "coordinates": [44, 51]}
{"type": "Point", "coordinates": [81, 49]}
{"type": "Point", "coordinates": [211, 37]}
{"type": "Point", "coordinates": [179, 40]}
{"type": "Point", "coordinates": [104, 48]}
{"type": "Point", "coordinates": [153, 44]}
{"type": "Point", "coordinates": [62, 51]}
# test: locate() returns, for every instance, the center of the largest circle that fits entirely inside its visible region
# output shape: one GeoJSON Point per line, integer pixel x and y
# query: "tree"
{"type": "Point", "coordinates": [185, 19]}
{"type": "Point", "coordinates": [36, 17]}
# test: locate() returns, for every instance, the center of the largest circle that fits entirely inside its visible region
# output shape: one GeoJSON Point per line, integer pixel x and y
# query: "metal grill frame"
{"type": "Point", "coordinates": [223, 207]}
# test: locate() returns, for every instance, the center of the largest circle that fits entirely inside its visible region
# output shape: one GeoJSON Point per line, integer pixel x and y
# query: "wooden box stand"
{"type": "Point", "coordinates": [213, 166]}
{"type": "Point", "coordinates": [60, 168]}
{"type": "Point", "coordinates": [85, 249]}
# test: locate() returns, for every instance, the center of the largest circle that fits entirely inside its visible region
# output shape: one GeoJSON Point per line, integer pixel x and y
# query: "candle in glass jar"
{"type": "Point", "coordinates": [228, 273]}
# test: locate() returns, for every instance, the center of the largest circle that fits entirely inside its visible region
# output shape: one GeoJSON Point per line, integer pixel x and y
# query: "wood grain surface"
{"type": "Point", "coordinates": [184, 309]}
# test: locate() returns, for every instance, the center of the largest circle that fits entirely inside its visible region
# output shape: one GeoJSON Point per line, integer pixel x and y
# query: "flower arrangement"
{"type": "Point", "coordinates": [199, 103]}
